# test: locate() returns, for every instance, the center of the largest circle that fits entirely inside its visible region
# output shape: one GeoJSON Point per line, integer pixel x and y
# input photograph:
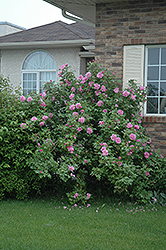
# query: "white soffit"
{"type": "Point", "coordinates": [82, 9]}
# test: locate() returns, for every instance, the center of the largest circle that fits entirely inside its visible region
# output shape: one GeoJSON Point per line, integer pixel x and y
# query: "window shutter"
{"type": "Point", "coordinates": [133, 64]}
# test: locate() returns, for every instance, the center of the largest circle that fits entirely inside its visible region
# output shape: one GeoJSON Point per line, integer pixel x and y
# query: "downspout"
{"type": "Point", "coordinates": [76, 19]}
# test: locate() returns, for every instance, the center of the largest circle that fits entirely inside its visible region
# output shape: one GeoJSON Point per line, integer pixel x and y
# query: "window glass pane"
{"type": "Point", "coordinates": [34, 85]}
{"type": "Point", "coordinates": [152, 88]}
{"type": "Point", "coordinates": [34, 76]}
{"type": "Point", "coordinates": [25, 76]}
{"type": "Point", "coordinates": [152, 105]}
{"type": "Point", "coordinates": [163, 105]}
{"type": "Point", "coordinates": [153, 73]}
{"type": "Point", "coordinates": [153, 56]}
{"type": "Point", "coordinates": [25, 84]}
{"type": "Point", "coordinates": [163, 89]}
{"type": "Point", "coordinates": [39, 60]}
{"type": "Point", "coordinates": [29, 85]}
{"type": "Point", "coordinates": [163, 56]}
{"type": "Point", "coordinates": [163, 73]}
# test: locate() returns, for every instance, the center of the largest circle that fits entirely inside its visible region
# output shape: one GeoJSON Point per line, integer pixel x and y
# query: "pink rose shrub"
{"type": "Point", "coordinates": [99, 145]}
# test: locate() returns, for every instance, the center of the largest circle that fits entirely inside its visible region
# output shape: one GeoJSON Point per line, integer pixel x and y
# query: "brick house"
{"type": "Point", "coordinates": [130, 40]}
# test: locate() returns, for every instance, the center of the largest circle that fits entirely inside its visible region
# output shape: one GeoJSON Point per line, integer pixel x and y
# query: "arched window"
{"type": "Point", "coordinates": [38, 67]}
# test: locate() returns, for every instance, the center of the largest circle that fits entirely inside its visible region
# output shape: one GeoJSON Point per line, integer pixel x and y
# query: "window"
{"type": "Point", "coordinates": [155, 80]}
{"type": "Point", "coordinates": [147, 65]}
{"type": "Point", "coordinates": [38, 67]}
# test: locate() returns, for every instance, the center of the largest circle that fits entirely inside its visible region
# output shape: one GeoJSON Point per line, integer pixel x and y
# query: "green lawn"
{"type": "Point", "coordinates": [45, 224]}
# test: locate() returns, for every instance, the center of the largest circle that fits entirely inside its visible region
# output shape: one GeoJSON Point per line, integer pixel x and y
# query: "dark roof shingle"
{"type": "Point", "coordinates": [57, 31]}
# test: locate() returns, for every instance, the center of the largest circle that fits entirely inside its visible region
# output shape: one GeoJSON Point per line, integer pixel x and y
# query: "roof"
{"type": "Point", "coordinates": [12, 25]}
{"type": "Point", "coordinates": [57, 31]}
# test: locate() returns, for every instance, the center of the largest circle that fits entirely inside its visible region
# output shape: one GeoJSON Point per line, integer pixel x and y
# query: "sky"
{"type": "Point", "coordinates": [29, 13]}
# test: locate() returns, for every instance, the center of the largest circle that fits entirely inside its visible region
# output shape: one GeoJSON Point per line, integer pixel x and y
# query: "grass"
{"type": "Point", "coordinates": [50, 224]}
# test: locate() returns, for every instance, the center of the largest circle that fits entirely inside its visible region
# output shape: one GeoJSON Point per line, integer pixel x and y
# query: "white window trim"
{"type": "Point", "coordinates": [145, 81]}
{"type": "Point", "coordinates": [37, 71]}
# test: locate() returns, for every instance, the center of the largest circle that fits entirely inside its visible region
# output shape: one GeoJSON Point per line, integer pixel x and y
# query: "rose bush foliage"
{"type": "Point", "coordinates": [89, 134]}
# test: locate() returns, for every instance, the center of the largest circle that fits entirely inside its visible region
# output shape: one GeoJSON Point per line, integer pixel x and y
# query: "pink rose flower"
{"type": "Point", "coordinates": [73, 89]}
{"type": "Point", "coordinates": [146, 155]}
{"type": "Point", "coordinates": [136, 126]}
{"type": "Point", "coordinates": [97, 92]}
{"type": "Point", "coordinates": [141, 88]}
{"type": "Point", "coordinates": [75, 113]}
{"type": "Point", "coordinates": [45, 117]}
{"type": "Point", "coordinates": [29, 99]}
{"type": "Point", "coordinates": [71, 96]}
{"type": "Point", "coordinates": [105, 111]}
{"type": "Point", "coordinates": [118, 140]}
{"type": "Point", "coordinates": [76, 195]}
{"type": "Point", "coordinates": [100, 75]}
{"type": "Point", "coordinates": [80, 77]}
{"type": "Point", "coordinates": [101, 123]}
{"type": "Point", "coordinates": [99, 103]}
{"type": "Point", "coordinates": [147, 173]}
{"type": "Point", "coordinates": [89, 195]}
{"type": "Point", "coordinates": [132, 136]}
{"type": "Point", "coordinates": [133, 97]}
{"type": "Point", "coordinates": [72, 107]}
{"type": "Point", "coordinates": [50, 115]}
{"type": "Point", "coordinates": [96, 86]}
{"type": "Point", "coordinates": [129, 125]}
{"type": "Point", "coordinates": [113, 137]}
{"type": "Point", "coordinates": [41, 124]}
{"type": "Point", "coordinates": [103, 88]}
{"type": "Point", "coordinates": [70, 149]}
{"type": "Point", "coordinates": [78, 105]}
{"type": "Point", "coordinates": [90, 84]}
{"type": "Point", "coordinates": [81, 119]}
{"type": "Point", "coordinates": [22, 98]}
{"type": "Point", "coordinates": [33, 118]}
{"type": "Point", "coordinates": [62, 67]}
{"type": "Point", "coordinates": [116, 90]}
{"type": "Point", "coordinates": [23, 125]}
{"type": "Point", "coordinates": [79, 129]}
{"type": "Point", "coordinates": [126, 93]}
{"type": "Point", "coordinates": [89, 130]}
{"type": "Point", "coordinates": [120, 112]}
{"type": "Point", "coordinates": [71, 168]}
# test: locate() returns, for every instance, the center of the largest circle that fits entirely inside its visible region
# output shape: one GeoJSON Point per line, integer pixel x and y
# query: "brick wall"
{"type": "Point", "coordinates": [125, 23]}
{"type": "Point", "coordinates": [156, 128]}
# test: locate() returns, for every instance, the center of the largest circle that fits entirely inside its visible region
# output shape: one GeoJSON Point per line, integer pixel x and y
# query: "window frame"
{"type": "Point", "coordinates": [37, 71]}
{"type": "Point", "coordinates": [146, 78]}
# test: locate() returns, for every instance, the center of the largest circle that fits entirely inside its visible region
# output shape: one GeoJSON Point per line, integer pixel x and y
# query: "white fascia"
{"type": "Point", "coordinates": [46, 44]}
